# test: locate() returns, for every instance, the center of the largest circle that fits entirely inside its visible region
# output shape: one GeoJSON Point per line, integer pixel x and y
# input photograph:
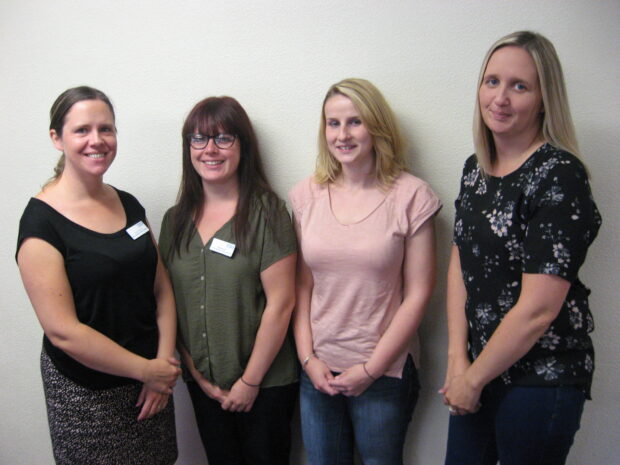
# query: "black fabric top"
{"type": "Point", "coordinates": [541, 218]}
{"type": "Point", "coordinates": [112, 277]}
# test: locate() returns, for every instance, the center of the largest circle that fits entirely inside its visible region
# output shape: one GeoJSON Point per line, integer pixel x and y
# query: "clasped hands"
{"type": "Point", "coordinates": [239, 398]}
{"type": "Point", "coordinates": [350, 383]}
{"type": "Point", "coordinates": [159, 377]}
{"type": "Point", "coordinates": [459, 393]}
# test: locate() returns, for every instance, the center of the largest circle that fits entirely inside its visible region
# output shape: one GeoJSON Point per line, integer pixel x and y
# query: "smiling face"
{"type": "Point", "coordinates": [348, 140]}
{"type": "Point", "coordinates": [88, 138]}
{"type": "Point", "coordinates": [216, 165]}
{"type": "Point", "coordinates": [509, 96]}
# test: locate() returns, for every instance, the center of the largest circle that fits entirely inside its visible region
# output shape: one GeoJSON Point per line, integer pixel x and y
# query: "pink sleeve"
{"type": "Point", "coordinates": [300, 195]}
{"type": "Point", "coordinates": [421, 206]}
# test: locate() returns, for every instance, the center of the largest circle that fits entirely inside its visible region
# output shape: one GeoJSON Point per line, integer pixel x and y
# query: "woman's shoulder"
{"type": "Point", "coordinates": [553, 166]}
{"type": "Point", "coordinates": [36, 211]}
{"type": "Point", "coordinates": [406, 179]}
{"type": "Point", "coordinates": [127, 198]}
{"type": "Point", "coordinates": [41, 220]}
{"type": "Point", "coordinates": [407, 184]}
{"type": "Point", "coordinates": [170, 211]}
{"type": "Point", "coordinates": [305, 190]}
{"type": "Point", "coordinates": [268, 201]}
{"type": "Point", "coordinates": [557, 158]}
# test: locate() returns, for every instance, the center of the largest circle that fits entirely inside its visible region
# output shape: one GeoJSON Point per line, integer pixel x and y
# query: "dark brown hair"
{"type": "Point", "coordinates": [211, 116]}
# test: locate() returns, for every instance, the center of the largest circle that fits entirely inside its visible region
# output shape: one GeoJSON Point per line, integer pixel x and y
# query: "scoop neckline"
{"type": "Point", "coordinates": [331, 210]}
{"type": "Point", "coordinates": [520, 167]}
{"type": "Point", "coordinates": [84, 228]}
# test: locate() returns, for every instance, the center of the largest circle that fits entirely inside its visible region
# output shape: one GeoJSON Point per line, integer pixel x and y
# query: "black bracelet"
{"type": "Point", "coordinates": [366, 371]}
{"type": "Point", "coordinates": [248, 384]}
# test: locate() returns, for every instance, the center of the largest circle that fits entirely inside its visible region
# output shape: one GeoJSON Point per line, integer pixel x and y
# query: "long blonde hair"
{"type": "Point", "coordinates": [378, 118]}
{"type": "Point", "coordinates": [557, 124]}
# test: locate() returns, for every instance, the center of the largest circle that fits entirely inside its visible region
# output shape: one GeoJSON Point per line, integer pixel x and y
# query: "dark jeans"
{"type": "Point", "coordinates": [376, 421]}
{"type": "Point", "coordinates": [261, 436]}
{"type": "Point", "coordinates": [517, 426]}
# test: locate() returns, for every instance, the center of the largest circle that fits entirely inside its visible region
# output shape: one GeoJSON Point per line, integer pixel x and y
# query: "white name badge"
{"type": "Point", "coordinates": [137, 230]}
{"type": "Point", "coordinates": [223, 247]}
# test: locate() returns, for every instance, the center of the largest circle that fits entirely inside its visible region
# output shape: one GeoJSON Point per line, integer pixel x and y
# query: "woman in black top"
{"type": "Point", "coordinates": [91, 270]}
{"type": "Point", "coordinates": [520, 359]}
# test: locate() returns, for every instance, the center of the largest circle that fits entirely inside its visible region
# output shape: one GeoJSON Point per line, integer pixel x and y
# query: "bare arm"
{"type": "Point", "coordinates": [279, 284]}
{"type": "Point", "coordinates": [152, 402]}
{"type": "Point", "coordinates": [418, 282]}
{"type": "Point", "coordinates": [210, 389]}
{"type": "Point", "coordinates": [166, 312]}
{"type": "Point", "coordinates": [539, 303]}
{"type": "Point", "coordinates": [45, 279]}
{"type": "Point", "coordinates": [317, 370]}
{"type": "Point", "coordinates": [458, 359]}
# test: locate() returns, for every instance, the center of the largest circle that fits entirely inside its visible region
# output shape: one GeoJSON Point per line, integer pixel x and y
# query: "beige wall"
{"type": "Point", "coordinates": [155, 58]}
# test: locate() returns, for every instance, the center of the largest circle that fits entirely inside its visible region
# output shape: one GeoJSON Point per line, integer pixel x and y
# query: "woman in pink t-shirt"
{"type": "Point", "coordinates": [366, 272]}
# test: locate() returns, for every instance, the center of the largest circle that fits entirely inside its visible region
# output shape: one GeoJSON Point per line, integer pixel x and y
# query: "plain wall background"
{"type": "Point", "coordinates": [156, 58]}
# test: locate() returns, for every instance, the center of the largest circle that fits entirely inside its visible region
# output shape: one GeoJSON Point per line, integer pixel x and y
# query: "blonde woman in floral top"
{"type": "Point", "coordinates": [520, 358]}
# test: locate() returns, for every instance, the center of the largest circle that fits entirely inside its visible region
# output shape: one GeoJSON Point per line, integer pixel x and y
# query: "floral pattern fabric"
{"type": "Point", "coordinates": [541, 219]}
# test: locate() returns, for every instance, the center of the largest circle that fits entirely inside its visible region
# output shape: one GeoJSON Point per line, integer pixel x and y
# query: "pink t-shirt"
{"type": "Point", "coordinates": [357, 268]}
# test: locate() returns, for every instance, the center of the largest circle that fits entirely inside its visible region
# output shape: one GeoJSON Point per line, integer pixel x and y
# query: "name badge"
{"type": "Point", "coordinates": [137, 230]}
{"type": "Point", "coordinates": [222, 247]}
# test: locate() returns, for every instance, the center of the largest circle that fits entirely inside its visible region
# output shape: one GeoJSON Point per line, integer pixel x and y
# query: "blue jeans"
{"type": "Point", "coordinates": [518, 425]}
{"type": "Point", "coordinates": [375, 422]}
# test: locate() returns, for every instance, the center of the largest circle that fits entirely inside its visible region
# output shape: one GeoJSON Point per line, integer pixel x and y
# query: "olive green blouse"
{"type": "Point", "coordinates": [220, 300]}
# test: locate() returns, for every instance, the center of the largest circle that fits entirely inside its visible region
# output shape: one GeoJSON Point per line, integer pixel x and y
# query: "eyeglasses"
{"type": "Point", "coordinates": [200, 141]}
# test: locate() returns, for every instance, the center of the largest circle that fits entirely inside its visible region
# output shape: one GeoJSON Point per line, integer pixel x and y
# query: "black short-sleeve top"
{"type": "Point", "coordinates": [541, 218]}
{"type": "Point", "coordinates": [112, 278]}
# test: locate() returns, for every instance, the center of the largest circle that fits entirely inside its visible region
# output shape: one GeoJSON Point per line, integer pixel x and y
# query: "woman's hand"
{"type": "Point", "coordinates": [211, 390]}
{"type": "Point", "coordinates": [462, 395]}
{"type": "Point", "coordinates": [152, 402]}
{"type": "Point", "coordinates": [456, 367]}
{"type": "Point", "coordinates": [352, 382]}
{"type": "Point", "coordinates": [241, 397]}
{"type": "Point", "coordinates": [320, 375]}
{"type": "Point", "coordinates": [161, 375]}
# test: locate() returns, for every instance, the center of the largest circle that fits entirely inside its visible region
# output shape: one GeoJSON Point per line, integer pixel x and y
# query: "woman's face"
{"type": "Point", "coordinates": [348, 140]}
{"type": "Point", "coordinates": [88, 138]}
{"type": "Point", "coordinates": [213, 163]}
{"type": "Point", "coordinates": [509, 96]}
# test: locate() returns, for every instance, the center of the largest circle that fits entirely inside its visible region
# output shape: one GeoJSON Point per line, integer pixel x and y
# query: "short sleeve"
{"type": "Point", "coordinates": [424, 204]}
{"type": "Point", "coordinates": [563, 218]}
{"type": "Point", "coordinates": [133, 208]}
{"type": "Point", "coordinates": [279, 240]}
{"type": "Point", "coordinates": [298, 196]}
{"type": "Point", "coordinates": [469, 177]}
{"type": "Point", "coordinates": [36, 222]}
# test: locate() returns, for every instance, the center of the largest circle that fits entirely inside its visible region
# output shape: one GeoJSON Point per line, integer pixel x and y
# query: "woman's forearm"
{"type": "Point", "coordinates": [539, 303]}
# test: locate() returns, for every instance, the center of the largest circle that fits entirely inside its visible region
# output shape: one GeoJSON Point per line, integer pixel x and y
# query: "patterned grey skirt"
{"type": "Point", "coordinates": [100, 427]}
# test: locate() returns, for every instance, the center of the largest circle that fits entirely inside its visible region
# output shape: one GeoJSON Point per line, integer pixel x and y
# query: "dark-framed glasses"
{"type": "Point", "coordinates": [200, 141]}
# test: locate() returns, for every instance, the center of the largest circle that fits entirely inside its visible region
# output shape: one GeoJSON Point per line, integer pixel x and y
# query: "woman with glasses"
{"type": "Point", "coordinates": [230, 249]}
{"type": "Point", "coordinates": [520, 359]}
{"type": "Point", "coordinates": [365, 274]}
{"type": "Point", "coordinates": [91, 269]}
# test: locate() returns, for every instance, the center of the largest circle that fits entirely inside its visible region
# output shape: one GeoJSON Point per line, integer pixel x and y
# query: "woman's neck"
{"type": "Point", "coordinates": [356, 178]}
{"type": "Point", "coordinates": [226, 192]}
{"type": "Point", "coordinates": [512, 153]}
{"type": "Point", "coordinates": [77, 188]}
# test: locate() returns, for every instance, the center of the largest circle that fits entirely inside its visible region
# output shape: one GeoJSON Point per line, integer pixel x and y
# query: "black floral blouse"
{"type": "Point", "coordinates": [540, 218]}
